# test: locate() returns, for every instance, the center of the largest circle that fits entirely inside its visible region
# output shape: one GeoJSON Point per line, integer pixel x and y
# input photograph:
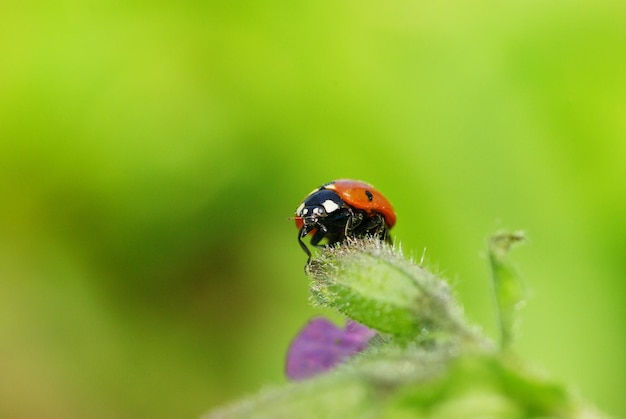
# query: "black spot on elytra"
{"type": "Point", "coordinates": [369, 195]}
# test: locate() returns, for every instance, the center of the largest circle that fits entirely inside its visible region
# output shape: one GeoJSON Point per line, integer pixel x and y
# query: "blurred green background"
{"type": "Point", "coordinates": [151, 153]}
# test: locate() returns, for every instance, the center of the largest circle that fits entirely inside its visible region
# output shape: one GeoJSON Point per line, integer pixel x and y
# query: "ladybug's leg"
{"type": "Point", "coordinates": [322, 233]}
{"type": "Point", "coordinates": [373, 226]}
{"type": "Point", "coordinates": [353, 223]}
{"type": "Point", "coordinates": [379, 228]}
{"type": "Point", "coordinates": [318, 236]}
{"type": "Point", "coordinates": [302, 233]}
{"type": "Point", "coordinates": [383, 231]}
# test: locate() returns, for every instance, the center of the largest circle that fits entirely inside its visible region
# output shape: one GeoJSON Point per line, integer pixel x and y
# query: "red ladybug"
{"type": "Point", "coordinates": [343, 209]}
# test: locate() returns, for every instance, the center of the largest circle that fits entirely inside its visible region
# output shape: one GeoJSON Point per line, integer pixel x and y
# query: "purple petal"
{"type": "Point", "coordinates": [321, 345]}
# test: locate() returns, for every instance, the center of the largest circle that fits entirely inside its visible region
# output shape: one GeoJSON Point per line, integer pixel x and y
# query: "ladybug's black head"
{"type": "Point", "coordinates": [323, 214]}
{"type": "Point", "coordinates": [316, 207]}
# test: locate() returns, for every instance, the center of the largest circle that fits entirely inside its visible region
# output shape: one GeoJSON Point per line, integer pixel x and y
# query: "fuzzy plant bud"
{"type": "Point", "coordinates": [369, 281]}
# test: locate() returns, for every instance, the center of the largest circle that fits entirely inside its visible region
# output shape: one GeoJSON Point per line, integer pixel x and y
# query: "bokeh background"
{"type": "Point", "coordinates": [151, 153]}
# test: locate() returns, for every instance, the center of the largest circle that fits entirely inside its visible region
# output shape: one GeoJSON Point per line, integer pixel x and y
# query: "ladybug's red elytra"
{"type": "Point", "coordinates": [343, 209]}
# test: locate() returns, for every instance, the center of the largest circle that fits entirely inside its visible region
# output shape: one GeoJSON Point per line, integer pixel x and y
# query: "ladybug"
{"type": "Point", "coordinates": [343, 209]}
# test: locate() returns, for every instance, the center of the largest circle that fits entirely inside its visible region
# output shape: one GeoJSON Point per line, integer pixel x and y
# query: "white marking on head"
{"type": "Point", "coordinates": [330, 206]}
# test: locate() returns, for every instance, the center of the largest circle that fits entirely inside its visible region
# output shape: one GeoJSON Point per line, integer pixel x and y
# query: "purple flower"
{"type": "Point", "coordinates": [321, 345]}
